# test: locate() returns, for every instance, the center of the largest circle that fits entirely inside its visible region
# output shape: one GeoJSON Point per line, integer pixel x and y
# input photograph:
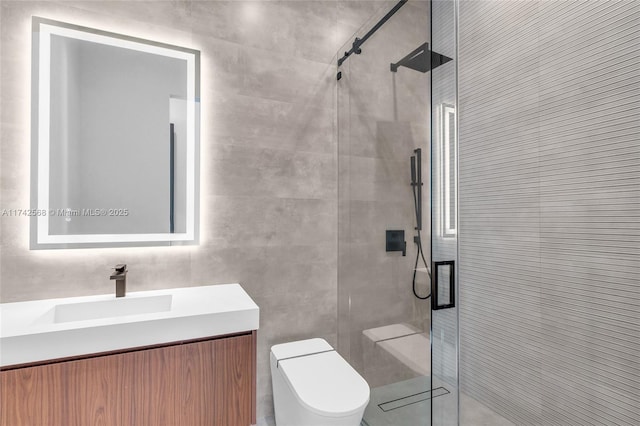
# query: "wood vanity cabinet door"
{"type": "Point", "coordinates": [31, 396]}
{"type": "Point", "coordinates": [201, 383]}
{"type": "Point", "coordinates": [218, 393]}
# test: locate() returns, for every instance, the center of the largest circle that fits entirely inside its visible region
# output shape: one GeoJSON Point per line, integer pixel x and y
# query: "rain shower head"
{"type": "Point", "coordinates": [422, 59]}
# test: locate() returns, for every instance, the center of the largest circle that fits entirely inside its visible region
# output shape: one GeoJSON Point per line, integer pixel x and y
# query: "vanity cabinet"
{"type": "Point", "coordinates": [204, 382]}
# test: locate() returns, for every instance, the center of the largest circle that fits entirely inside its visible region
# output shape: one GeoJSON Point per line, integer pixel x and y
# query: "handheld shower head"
{"type": "Point", "coordinates": [413, 170]}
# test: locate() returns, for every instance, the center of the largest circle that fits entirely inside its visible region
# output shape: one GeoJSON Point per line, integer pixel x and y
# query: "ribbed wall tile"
{"type": "Point", "coordinates": [550, 209]}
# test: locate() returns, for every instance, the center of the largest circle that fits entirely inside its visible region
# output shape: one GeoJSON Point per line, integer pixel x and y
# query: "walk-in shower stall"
{"type": "Point", "coordinates": [397, 148]}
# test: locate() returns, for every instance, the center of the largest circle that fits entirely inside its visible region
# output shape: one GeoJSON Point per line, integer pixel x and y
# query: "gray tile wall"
{"type": "Point", "coordinates": [268, 159]}
{"type": "Point", "coordinates": [549, 113]}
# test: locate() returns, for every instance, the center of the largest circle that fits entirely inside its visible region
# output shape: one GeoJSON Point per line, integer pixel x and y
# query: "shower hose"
{"type": "Point", "coordinates": [420, 253]}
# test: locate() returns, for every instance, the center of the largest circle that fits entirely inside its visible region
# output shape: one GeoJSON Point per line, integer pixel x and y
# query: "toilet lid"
{"type": "Point", "coordinates": [326, 384]}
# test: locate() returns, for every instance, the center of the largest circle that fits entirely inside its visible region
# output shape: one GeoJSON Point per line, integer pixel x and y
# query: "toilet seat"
{"type": "Point", "coordinates": [321, 380]}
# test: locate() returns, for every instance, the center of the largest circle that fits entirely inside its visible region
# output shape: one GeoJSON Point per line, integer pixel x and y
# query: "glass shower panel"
{"type": "Point", "coordinates": [384, 120]}
{"type": "Point", "coordinates": [444, 209]}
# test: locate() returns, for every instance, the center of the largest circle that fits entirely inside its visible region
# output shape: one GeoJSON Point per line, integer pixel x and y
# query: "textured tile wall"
{"type": "Point", "coordinates": [268, 159]}
{"type": "Point", "coordinates": [549, 106]}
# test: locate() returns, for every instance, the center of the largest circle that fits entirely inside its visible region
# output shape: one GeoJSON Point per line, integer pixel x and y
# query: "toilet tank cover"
{"type": "Point", "coordinates": [325, 383]}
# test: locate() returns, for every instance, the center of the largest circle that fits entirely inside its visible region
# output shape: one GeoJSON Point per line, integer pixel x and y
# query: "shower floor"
{"type": "Point", "coordinates": [402, 403]}
{"type": "Point", "coordinates": [402, 349]}
{"type": "Point", "coordinates": [407, 403]}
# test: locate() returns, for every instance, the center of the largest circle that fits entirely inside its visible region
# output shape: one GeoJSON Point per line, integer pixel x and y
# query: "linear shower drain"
{"type": "Point", "coordinates": [412, 399]}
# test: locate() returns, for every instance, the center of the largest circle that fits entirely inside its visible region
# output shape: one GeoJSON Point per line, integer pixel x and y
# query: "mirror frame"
{"type": "Point", "coordinates": [42, 29]}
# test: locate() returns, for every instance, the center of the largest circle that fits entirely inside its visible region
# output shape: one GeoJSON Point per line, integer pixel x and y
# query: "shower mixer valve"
{"type": "Point", "coordinates": [396, 242]}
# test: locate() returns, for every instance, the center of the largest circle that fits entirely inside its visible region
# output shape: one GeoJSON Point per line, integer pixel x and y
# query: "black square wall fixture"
{"type": "Point", "coordinates": [396, 242]}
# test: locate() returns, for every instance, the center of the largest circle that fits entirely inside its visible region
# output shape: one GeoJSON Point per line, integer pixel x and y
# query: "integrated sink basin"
{"type": "Point", "coordinates": [43, 330]}
{"type": "Point", "coordinates": [121, 306]}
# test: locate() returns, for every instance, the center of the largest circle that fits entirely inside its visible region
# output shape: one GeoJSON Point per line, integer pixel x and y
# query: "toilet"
{"type": "Point", "coordinates": [314, 386]}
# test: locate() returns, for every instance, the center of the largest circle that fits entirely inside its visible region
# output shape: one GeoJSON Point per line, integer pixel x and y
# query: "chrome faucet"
{"type": "Point", "coordinates": [120, 275]}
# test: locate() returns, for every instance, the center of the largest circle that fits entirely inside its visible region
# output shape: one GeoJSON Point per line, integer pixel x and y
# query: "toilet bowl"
{"type": "Point", "coordinates": [314, 386]}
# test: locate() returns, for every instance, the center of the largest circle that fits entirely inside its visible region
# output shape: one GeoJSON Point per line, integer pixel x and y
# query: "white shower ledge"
{"type": "Point", "coordinates": [42, 330]}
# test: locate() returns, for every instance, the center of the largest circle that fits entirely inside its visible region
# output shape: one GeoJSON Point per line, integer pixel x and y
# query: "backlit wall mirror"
{"type": "Point", "coordinates": [115, 139]}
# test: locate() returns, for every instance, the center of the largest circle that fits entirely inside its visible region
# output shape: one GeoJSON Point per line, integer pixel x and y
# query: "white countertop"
{"type": "Point", "coordinates": [29, 333]}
